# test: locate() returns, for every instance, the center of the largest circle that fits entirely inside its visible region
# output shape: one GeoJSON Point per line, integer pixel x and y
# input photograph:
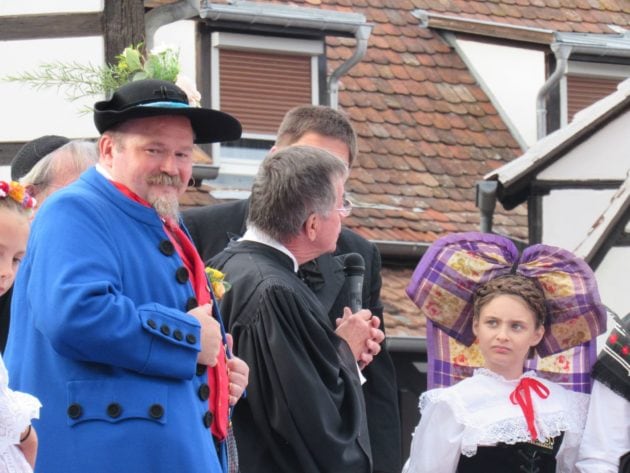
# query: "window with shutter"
{"type": "Point", "coordinates": [584, 91]}
{"type": "Point", "coordinates": [257, 79]}
{"type": "Point", "coordinates": [588, 82]}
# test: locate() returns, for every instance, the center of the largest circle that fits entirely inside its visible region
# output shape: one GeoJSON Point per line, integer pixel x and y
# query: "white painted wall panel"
{"type": "Point", "coordinates": [605, 155]}
{"type": "Point", "coordinates": [614, 283]}
{"type": "Point", "coordinates": [28, 113]}
{"type": "Point", "coordinates": [180, 34]}
{"type": "Point", "coordinates": [569, 214]}
{"type": "Point", "coordinates": [514, 75]}
{"type": "Point", "coordinates": [31, 7]}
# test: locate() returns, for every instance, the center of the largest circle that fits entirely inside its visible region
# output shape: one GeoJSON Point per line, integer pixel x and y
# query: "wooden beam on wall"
{"type": "Point", "coordinates": [123, 26]}
{"type": "Point", "coordinates": [22, 27]}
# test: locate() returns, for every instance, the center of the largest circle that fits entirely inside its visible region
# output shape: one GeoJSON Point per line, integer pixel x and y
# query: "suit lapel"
{"type": "Point", "coordinates": [331, 268]}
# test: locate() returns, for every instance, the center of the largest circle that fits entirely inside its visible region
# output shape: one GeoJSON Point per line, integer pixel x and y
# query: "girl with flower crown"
{"type": "Point", "coordinates": [18, 440]}
{"type": "Point", "coordinates": [503, 419]}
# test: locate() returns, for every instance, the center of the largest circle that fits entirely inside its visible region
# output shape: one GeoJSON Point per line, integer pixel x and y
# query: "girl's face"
{"type": "Point", "coordinates": [506, 330]}
{"type": "Point", "coordinates": [14, 228]}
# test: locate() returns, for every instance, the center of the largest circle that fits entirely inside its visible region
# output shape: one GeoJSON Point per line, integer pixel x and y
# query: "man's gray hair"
{"type": "Point", "coordinates": [77, 155]}
{"type": "Point", "coordinates": [292, 184]}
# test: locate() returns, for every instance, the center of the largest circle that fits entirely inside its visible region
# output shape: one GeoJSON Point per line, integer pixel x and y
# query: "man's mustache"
{"type": "Point", "coordinates": [164, 179]}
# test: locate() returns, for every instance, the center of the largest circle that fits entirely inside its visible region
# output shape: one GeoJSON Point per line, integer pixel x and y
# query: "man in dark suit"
{"type": "Point", "coordinates": [213, 227]}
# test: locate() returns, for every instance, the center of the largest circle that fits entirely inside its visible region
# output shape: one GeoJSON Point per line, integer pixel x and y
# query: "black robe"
{"type": "Point", "coordinates": [304, 410]}
{"type": "Point", "coordinates": [212, 227]}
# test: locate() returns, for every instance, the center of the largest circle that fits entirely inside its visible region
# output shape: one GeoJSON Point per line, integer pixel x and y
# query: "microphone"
{"type": "Point", "coordinates": [354, 268]}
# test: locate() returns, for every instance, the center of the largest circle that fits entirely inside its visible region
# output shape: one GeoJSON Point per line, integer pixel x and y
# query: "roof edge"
{"type": "Point", "coordinates": [484, 28]}
{"type": "Point", "coordinates": [513, 176]}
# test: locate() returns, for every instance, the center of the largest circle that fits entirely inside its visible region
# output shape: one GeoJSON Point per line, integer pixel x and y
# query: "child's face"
{"type": "Point", "coordinates": [14, 228]}
{"type": "Point", "coordinates": [506, 330]}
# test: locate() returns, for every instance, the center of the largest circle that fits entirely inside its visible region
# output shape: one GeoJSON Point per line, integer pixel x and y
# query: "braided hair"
{"type": "Point", "coordinates": [515, 285]}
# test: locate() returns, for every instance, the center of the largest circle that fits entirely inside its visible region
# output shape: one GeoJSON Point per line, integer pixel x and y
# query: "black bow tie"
{"type": "Point", "coordinates": [310, 273]}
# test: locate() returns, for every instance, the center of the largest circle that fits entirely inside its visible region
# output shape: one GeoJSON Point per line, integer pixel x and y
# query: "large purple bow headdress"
{"type": "Point", "coordinates": [444, 282]}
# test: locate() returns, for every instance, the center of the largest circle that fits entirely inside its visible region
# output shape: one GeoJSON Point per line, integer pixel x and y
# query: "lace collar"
{"type": "Point", "coordinates": [481, 406]}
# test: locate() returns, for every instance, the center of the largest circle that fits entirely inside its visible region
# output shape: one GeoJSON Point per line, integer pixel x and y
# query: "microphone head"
{"type": "Point", "coordinates": [353, 264]}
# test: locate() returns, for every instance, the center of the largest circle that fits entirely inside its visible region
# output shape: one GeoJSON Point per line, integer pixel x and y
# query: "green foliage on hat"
{"type": "Point", "coordinates": [82, 80]}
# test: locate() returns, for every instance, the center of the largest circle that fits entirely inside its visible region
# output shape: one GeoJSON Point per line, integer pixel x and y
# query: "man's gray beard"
{"type": "Point", "coordinates": [166, 207]}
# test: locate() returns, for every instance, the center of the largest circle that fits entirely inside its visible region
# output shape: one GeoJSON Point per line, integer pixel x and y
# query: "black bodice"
{"type": "Point", "coordinates": [522, 457]}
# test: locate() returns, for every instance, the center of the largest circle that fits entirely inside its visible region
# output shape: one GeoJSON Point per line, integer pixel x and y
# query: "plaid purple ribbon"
{"type": "Point", "coordinates": [444, 282]}
{"type": "Point", "coordinates": [450, 361]}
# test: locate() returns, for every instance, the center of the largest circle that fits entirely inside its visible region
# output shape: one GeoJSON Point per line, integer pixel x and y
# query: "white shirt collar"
{"type": "Point", "coordinates": [101, 169]}
{"type": "Point", "coordinates": [254, 234]}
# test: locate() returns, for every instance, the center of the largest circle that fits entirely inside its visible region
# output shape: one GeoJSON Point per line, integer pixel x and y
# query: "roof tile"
{"type": "Point", "coordinates": [427, 130]}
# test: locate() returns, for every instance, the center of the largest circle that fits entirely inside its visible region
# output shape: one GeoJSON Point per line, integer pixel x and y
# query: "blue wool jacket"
{"type": "Point", "coordinates": [101, 336]}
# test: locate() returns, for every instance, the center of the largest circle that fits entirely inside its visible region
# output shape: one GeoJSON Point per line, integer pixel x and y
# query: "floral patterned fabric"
{"type": "Point", "coordinates": [445, 280]}
{"type": "Point", "coordinates": [450, 361]}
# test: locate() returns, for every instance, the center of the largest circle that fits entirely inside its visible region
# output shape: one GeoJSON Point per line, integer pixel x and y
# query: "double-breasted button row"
{"type": "Point", "coordinates": [114, 410]}
{"type": "Point", "coordinates": [182, 275]}
{"type": "Point", "coordinates": [207, 419]}
{"type": "Point", "coordinates": [177, 333]}
{"type": "Point", "coordinates": [204, 392]}
{"type": "Point", "coordinates": [201, 369]}
{"type": "Point", "coordinates": [191, 303]}
{"type": "Point", "coordinates": [167, 248]}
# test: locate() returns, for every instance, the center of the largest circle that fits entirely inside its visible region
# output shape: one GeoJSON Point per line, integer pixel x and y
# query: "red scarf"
{"type": "Point", "coordinates": [522, 395]}
{"type": "Point", "coordinates": [217, 375]}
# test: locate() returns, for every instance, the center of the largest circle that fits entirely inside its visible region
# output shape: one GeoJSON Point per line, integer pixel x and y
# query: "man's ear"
{"type": "Point", "coordinates": [106, 148]}
{"type": "Point", "coordinates": [311, 226]}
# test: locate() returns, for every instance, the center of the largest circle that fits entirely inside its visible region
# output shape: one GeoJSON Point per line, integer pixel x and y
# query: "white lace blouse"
{"type": "Point", "coordinates": [16, 411]}
{"type": "Point", "coordinates": [478, 412]}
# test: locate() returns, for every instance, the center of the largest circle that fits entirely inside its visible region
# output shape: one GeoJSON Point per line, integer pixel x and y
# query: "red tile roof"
{"type": "Point", "coordinates": [578, 16]}
{"type": "Point", "coordinates": [427, 131]}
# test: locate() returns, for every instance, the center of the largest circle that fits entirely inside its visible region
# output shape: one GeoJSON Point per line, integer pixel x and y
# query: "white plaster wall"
{"type": "Point", "coordinates": [614, 284]}
{"type": "Point", "coordinates": [180, 34]}
{"type": "Point", "coordinates": [604, 155]}
{"type": "Point", "coordinates": [28, 113]}
{"type": "Point", "coordinates": [569, 214]}
{"type": "Point", "coordinates": [29, 7]}
{"type": "Point", "coordinates": [514, 77]}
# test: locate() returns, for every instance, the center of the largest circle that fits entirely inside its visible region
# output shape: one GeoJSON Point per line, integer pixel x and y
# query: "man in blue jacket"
{"type": "Point", "coordinates": [114, 329]}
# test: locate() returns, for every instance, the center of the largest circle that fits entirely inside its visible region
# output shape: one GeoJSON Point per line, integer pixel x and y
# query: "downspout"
{"type": "Point", "coordinates": [163, 15]}
{"type": "Point", "coordinates": [486, 201]}
{"type": "Point", "coordinates": [562, 53]}
{"type": "Point", "coordinates": [362, 36]}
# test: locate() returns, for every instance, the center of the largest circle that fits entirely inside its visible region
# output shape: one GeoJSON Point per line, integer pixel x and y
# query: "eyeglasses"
{"type": "Point", "coordinates": [346, 210]}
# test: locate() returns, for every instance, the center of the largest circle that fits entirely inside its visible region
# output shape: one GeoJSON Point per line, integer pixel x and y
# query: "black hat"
{"type": "Point", "coordinates": [30, 154]}
{"type": "Point", "coordinates": [150, 98]}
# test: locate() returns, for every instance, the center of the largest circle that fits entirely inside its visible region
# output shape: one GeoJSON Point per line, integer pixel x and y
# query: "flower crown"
{"type": "Point", "coordinates": [18, 193]}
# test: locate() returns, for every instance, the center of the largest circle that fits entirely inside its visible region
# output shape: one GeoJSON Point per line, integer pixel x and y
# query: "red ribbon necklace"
{"type": "Point", "coordinates": [522, 395]}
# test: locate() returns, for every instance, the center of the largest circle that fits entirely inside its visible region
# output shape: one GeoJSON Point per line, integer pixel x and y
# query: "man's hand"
{"type": "Point", "coordinates": [210, 334]}
{"type": "Point", "coordinates": [238, 374]}
{"type": "Point", "coordinates": [361, 331]}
